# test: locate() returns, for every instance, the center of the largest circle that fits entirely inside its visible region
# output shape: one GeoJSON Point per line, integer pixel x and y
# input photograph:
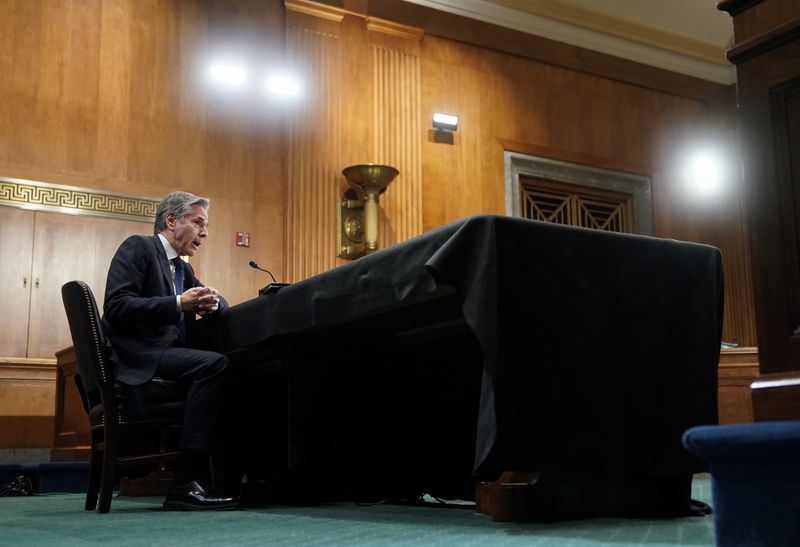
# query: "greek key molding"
{"type": "Point", "coordinates": [44, 196]}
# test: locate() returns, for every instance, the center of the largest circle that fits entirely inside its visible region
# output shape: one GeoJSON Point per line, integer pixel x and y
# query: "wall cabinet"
{"type": "Point", "coordinates": [39, 252]}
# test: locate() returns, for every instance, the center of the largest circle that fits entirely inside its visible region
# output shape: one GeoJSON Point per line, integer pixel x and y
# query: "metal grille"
{"type": "Point", "coordinates": [564, 203]}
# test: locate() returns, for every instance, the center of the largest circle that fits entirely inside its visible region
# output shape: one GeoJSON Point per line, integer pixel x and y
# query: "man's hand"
{"type": "Point", "coordinates": [200, 300]}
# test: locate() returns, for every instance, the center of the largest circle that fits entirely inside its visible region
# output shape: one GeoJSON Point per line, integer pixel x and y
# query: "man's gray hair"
{"type": "Point", "coordinates": [179, 204]}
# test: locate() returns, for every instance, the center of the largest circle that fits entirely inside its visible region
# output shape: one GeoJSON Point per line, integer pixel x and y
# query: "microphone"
{"type": "Point", "coordinates": [257, 267]}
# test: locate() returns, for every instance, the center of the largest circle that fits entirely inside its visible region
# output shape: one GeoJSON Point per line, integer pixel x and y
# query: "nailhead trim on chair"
{"type": "Point", "coordinates": [95, 336]}
{"type": "Point", "coordinates": [100, 359]}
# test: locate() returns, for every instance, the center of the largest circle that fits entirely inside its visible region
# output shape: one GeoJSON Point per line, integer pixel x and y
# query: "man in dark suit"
{"type": "Point", "coordinates": [151, 295]}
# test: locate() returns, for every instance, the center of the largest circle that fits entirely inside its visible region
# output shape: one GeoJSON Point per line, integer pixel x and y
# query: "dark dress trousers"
{"type": "Point", "coordinates": [141, 321]}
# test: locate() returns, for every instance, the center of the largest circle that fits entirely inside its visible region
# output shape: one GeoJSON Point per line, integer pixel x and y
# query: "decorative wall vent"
{"type": "Point", "coordinates": [579, 195]}
{"type": "Point", "coordinates": [575, 205]}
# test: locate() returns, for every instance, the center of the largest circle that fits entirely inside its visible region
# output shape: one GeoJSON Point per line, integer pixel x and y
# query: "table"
{"type": "Point", "coordinates": [586, 350]}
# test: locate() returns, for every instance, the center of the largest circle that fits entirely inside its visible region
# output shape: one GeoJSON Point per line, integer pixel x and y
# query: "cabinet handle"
{"type": "Point", "coordinates": [24, 282]}
{"type": "Point", "coordinates": [37, 282]}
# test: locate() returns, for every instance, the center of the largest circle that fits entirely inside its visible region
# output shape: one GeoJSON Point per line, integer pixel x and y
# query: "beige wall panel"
{"type": "Point", "coordinates": [510, 102]}
{"type": "Point", "coordinates": [396, 115]}
{"type": "Point", "coordinates": [356, 95]}
{"type": "Point", "coordinates": [153, 98]}
{"type": "Point", "coordinates": [452, 172]}
{"type": "Point", "coordinates": [65, 248]}
{"type": "Point", "coordinates": [111, 95]}
{"type": "Point", "coordinates": [739, 321]}
{"type": "Point", "coordinates": [26, 387]}
{"type": "Point", "coordinates": [27, 401]}
{"type": "Point", "coordinates": [114, 94]}
{"type": "Point", "coordinates": [738, 368]}
{"type": "Point", "coordinates": [16, 245]}
{"type": "Point", "coordinates": [352, 64]}
{"type": "Point", "coordinates": [313, 170]}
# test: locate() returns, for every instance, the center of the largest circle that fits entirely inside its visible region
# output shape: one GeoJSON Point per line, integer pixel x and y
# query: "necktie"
{"type": "Point", "coordinates": [179, 290]}
{"type": "Point", "coordinates": [178, 274]}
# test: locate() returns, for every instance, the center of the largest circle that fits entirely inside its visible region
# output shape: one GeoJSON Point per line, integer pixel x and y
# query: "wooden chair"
{"type": "Point", "coordinates": [117, 413]}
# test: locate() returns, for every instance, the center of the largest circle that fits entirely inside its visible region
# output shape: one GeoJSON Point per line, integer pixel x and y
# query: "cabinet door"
{"type": "Point", "coordinates": [16, 243]}
{"type": "Point", "coordinates": [65, 248]}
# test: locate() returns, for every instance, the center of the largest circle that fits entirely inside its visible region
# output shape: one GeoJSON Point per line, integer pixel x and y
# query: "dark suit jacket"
{"type": "Point", "coordinates": [141, 316]}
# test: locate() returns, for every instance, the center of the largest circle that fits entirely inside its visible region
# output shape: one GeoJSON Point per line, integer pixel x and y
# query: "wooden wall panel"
{"type": "Point", "coordinates": [27, 402]}
{"type": "Point", "coordinates": [16, 243]}
{"type": "Point", "coordinates": [515, 91]}
{"type": "Point", "coordinates": [766, 53]}
{"type": "Point", "coordinates": [738, 368]}
{"type": "Point", "coordinates": [739, 326]}
{"type": "Point", "coordinates": [72, 438]}
{"type": "Point", "coordinates": [313, 171]}
{"type": "Point", "coordinates": [351, 63]}
{"type": "Point", "coordinates": [397, 136]}
{"type": "Point", "coordinates": [509, 102]}
{"type": "Point", "coordinates": [112, 95]}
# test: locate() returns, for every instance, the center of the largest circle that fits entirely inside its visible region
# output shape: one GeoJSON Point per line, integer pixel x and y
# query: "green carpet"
{"type": "Point", "coordinates": [59, 519]}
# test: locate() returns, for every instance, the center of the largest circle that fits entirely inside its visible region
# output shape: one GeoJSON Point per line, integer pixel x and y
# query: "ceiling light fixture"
{"type": "Point", "coordinates": [445, 122]}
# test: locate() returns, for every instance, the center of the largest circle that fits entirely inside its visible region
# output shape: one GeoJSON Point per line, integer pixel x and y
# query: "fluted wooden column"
{"type": "Point", "coordinates": [312, 156]}
{"type": "Point", "coordinates": [396, 120]}
{"type": "Point", "coordinates": [362, 105]}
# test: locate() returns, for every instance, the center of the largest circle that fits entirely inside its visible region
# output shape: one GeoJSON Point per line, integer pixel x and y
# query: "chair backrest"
{"type": "Point", "coordinates": [91, 350]}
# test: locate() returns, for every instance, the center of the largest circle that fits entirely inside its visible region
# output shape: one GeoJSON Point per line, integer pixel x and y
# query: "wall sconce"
{"type": "Point", "coordinates": [358, 210]}
{"type": "Point", "coordinates": [445, 122]}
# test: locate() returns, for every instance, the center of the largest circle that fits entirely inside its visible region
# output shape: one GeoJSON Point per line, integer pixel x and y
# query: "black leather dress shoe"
{"type": "Point", "coordinates": [193, 497]}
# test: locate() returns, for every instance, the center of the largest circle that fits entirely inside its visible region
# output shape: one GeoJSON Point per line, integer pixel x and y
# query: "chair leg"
{"type": "Point", "coordinates": [95, 471]}
{"type": "Point", "coordinates": [107, 478]}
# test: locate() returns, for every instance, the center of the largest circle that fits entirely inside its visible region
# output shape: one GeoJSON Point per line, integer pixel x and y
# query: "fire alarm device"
{"type": "Point", "coordinates": [242, 239]}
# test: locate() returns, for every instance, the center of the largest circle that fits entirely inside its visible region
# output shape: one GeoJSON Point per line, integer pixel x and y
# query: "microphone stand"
{"type": "Point", "coordinates": [271, 287]}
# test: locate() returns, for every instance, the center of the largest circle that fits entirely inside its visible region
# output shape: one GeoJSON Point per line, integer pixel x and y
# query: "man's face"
{"type": "Point", "coordinates": [187, 234]}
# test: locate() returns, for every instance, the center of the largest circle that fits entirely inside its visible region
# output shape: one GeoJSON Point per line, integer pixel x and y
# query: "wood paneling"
{"type": "Point", "coordinates": [776, 397]}
{"type": "Point", "coordinates": [27, 389]}
{"type": "Point", "coordinates": [362, 106]}
{"type": "Point", "coordinates": [68, 247]}
{"type": "Point", "coordinates": [16, 246]}
{"type": "Point", "coordinates": [44, 251]}
{"type": "Point", "coordinates": [754, 19]}
{"type": "Point", "coordinates": [521, 104]}
{"type": "Point", "coordinates": [767, 53]}
{"type": "Point", "coordinates": [396, 118]}
{"type": "Point", "coordinates": [738, 368]}
{"type": "Point", "coordinates": [515, 43]}
{"type": "Point", "coordinates": [72, 437]}
{"type": "Point", "coordinates": [510, 95]}
{"type": "Point", "coordinates": [313, 170]}
{"type": "Point", "coordinates": [112, 95]}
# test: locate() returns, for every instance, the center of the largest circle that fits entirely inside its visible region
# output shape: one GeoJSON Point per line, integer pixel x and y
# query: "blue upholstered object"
{"type": "Point", "coordinates": [63, 476]}
{"type": "Point", "coordinates": [49, 476]}
{"type": "Point", "coordinates": [755, 481]}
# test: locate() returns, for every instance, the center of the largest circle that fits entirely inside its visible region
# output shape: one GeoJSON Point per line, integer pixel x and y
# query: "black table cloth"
{"type": "Point", "coordinates": [598, 349]}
